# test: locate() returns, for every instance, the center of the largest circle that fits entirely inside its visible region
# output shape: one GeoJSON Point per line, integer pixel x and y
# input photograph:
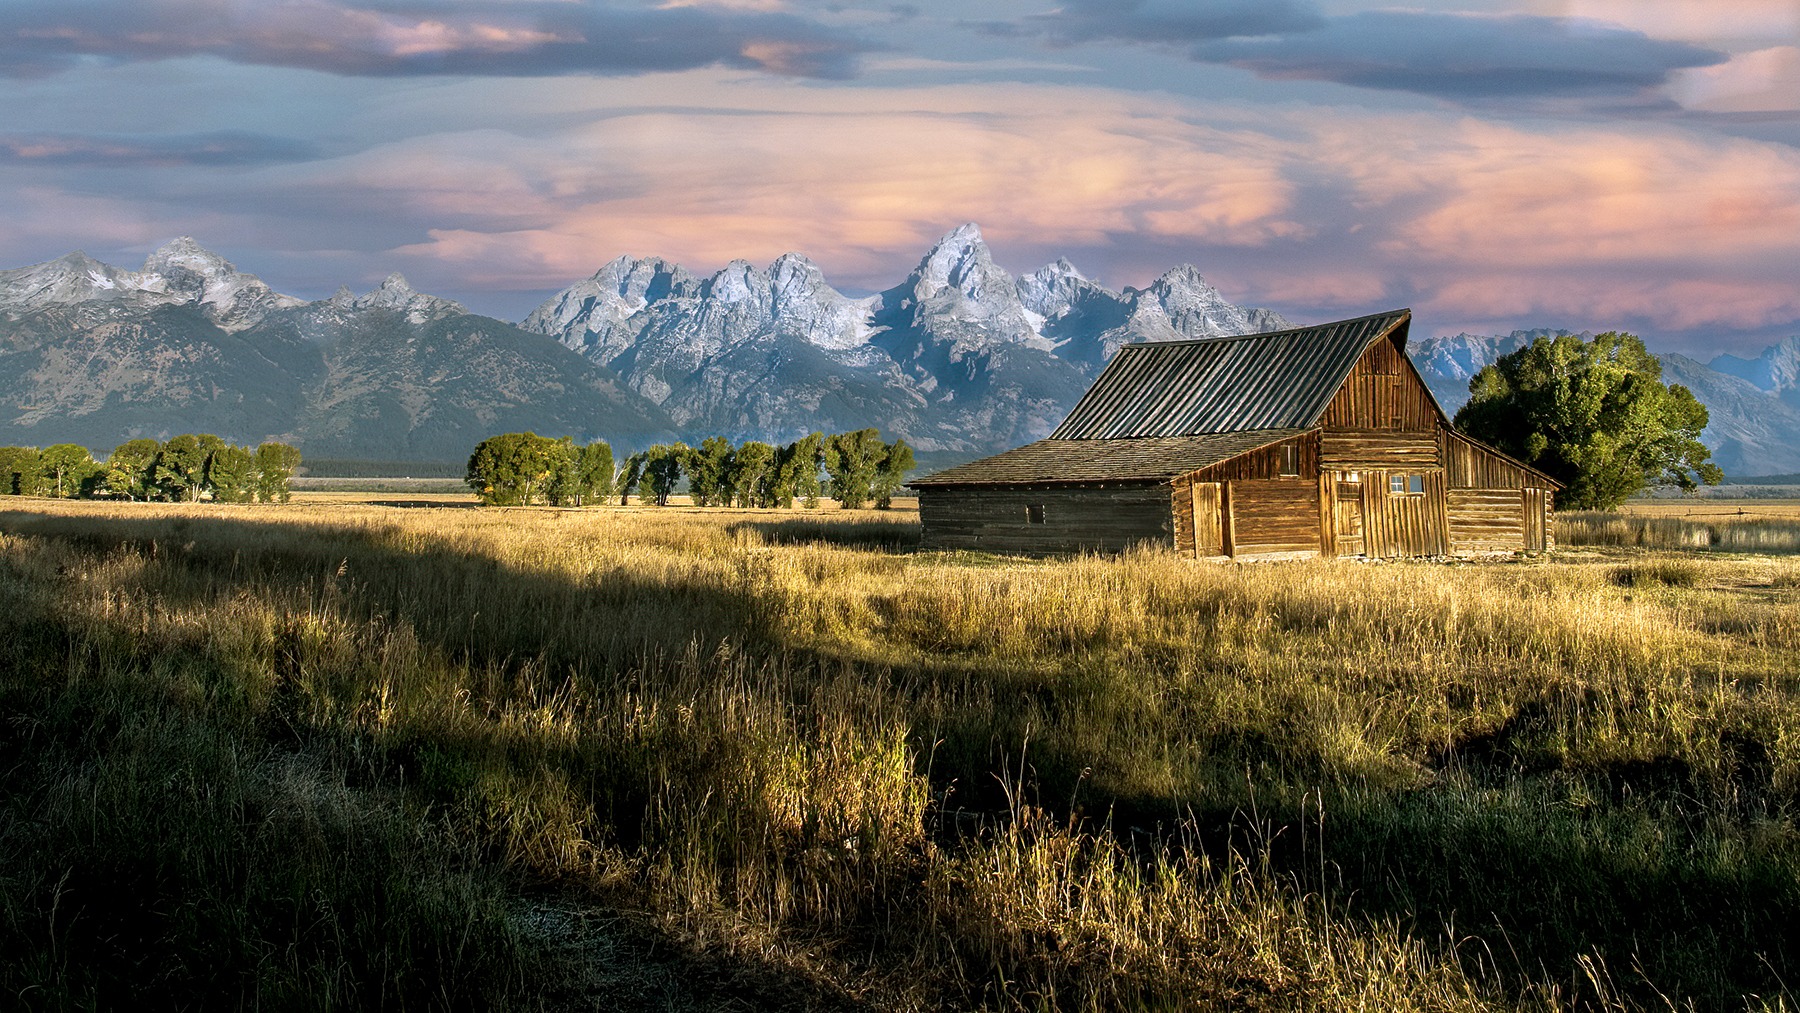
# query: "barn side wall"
{"type": "Point", "coordinates": [1495, 503]}
{"type": "Point", "coordinates": [1075, 519]}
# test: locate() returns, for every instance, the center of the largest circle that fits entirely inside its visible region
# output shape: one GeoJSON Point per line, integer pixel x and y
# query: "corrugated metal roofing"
{"type": "Point", "coordinates": [1087, 461]}
{"type": "Point", "coordinates": [1280, 379]}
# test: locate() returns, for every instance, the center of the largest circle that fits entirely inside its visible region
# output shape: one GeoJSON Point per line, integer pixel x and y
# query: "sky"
{"type": "Point", "coordinates": [1493, 164]}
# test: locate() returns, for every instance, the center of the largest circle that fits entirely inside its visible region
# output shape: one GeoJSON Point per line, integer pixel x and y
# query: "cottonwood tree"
{"type": "Point", "coordinates": [66, 469]}
{"type": "Point", "coordinates": [513, 469]}
{"type": "Point", "coordinates": [797, 472]}
{"type": "Point", "coordinates": [596, 471]}
{"type": "Point", "coordinates": [1594, 415]}
{"type": "Point", "coordinates": [890, 474]}
{"type": "Point", "coordinates": [131, 469]}
{"type": "Point", "coordinates": [748, 474]}
{"type": "Point", "coordinates": [852, 460]}
{"type": "Point", "coordinates": [15, 464]}
{"type": "Point", "coordinates": [706, 466]}
{"type": "Point", "coordinates": [275, 467]}
{"type": "Point", "coordinates": [662, 470]}
{"type": "Point", "coordinates": [231, 474]}
{"type": "Point", "coordinates": [181, 465]}
{"type": "Point", "coordinates": [630, 474]}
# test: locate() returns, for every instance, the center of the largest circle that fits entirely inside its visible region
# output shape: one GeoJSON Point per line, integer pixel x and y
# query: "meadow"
{"type": "Point", "coordinates": [340, 755]}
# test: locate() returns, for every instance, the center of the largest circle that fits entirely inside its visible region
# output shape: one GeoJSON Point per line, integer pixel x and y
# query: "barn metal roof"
{"type": "Point", "coordinates": [1082, 462]}
{"type": "Point", "coordinates": [1279, 379]}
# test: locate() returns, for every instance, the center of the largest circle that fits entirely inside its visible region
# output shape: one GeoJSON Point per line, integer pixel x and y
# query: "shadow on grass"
{"type": "Point", "coordinates": [877, 535]}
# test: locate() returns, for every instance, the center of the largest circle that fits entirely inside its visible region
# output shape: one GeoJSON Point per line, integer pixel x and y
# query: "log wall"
{"type": "Point", "coordinates": [1380, 450]}
{"type": "Point", "coordinates": [1076, 519]}
{"type": "Point", "coordinates": [1273, 515]}
{"type": "Point", "coordinates": [1487, 520]}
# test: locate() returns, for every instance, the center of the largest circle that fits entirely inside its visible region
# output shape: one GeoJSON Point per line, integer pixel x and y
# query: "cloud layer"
{"type": "Point", "coordinates": [411, 37]}
{"type": "Point", "coordinates": [220, 148]}
{"type": "Point", "coordinates": [1465, 56]}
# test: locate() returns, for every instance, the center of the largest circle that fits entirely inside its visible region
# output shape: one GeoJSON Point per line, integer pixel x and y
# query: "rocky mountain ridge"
{"type": "Point", "coordinates": [960, 357]}
{"type": "Point", "coordinates": [93, 354]}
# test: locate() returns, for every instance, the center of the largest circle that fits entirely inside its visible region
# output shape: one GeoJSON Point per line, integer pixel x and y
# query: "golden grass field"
{"type": "Point", "coordinates": [342, 754]}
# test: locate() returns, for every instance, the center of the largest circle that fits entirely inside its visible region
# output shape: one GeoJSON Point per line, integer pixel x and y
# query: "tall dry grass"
{"type": "Point", "coordinates": [861, 775]}
{"type": "Point", "coordinates": [1762, 532]}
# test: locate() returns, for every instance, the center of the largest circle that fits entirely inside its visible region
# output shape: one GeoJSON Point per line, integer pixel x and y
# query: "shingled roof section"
{"type": "Point", "coordinates": [1275, 380]}
{"type": "Point", "coordinates": [1084, 462]}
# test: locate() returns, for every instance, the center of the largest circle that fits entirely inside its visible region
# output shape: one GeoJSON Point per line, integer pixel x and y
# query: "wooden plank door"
{"type": "Point", "coordinates": [1209, 532]}
{"type": "Point", "coordinates": [1536, 520]}
{"type": "Point", "coordinates": [1347, 511]}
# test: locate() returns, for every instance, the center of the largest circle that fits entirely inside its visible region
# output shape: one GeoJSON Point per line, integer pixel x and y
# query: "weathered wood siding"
{"type": "Point", "coordinates": [1404, 524]}
{"type": "Point", "coordinates": [1075, 519]}
{"type": "Point", "coordinates": [1199, 518]}
{"type": "Point", "coordinates": [1384, 391]}
{"type": "Point", "coordinates": [1273, 515]}
{"type": "Point", "coordinates": [1379, 450]}
{"type": "Point", "coordinates": [1539, 531]}
{"type": "Point", "coordinates": [1487, 520]}
{"type": "Point", "coordinates": [1470, 465]}
{"type": "Point", "coordinates": [1266, 462]}
{"type": "Point", "coordinates": [1347, 516]}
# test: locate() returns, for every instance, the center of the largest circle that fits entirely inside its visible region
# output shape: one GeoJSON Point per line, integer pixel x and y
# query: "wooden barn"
{"type": "Point", "coordinates": [1315, 441]}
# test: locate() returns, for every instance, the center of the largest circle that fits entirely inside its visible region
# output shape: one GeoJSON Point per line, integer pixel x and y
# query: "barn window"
{"type": "Point", "coordinates": [1406, 485]}
{"type": "Point", "coordinates": [1290, 460]}
{"type": "Point", "coordinates": [1034, 514]}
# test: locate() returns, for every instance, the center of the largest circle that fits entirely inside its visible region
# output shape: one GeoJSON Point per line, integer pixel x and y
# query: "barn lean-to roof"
{"type": "Point", "coordinates": [1274, 380]}
{"type": "Point", "coordinates": [1084, 462]}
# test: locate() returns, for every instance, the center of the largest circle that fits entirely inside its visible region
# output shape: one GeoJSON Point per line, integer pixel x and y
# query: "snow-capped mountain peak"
{"type": "Point", "coordinates": [396, 295]}
{"type": "Point", "coordinates": [960, 260]}
{"type": "Point", "coordinates": [180, 273]}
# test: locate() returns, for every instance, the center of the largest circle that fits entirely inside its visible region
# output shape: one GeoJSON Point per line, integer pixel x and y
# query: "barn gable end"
{"type": "Point", "coordinates": [1315, 441]}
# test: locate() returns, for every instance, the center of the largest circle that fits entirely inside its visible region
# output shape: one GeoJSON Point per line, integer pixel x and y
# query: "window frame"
{"type": "Point", "coordinates": [1034, 513]}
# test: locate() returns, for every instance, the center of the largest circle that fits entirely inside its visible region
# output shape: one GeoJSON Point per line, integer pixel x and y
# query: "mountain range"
{"type": "Point", "coordinates": [960, 357]}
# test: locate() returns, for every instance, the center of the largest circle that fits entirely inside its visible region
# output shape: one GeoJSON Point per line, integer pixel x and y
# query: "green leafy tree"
{"type": "Point", "coordinates": [1594, 415]}
{"type": "Point", "coordinates": [706, 466]}
{"type": "Point", "coordinates": [231, 474]}
{"type": "Point", "coordinates": [662, 470]}
{"type": "Point", "coordinates": [131, 469]}
{"type": "Point", "coordinates": [66, 469]}
{"type": "Point", "coordinates": [275, 467]}
{"type": "Point", "coordinates": [797, 472]}
{"type": "Point", "coordinates": [19, 471]}
{"type": "Point", "coordinates": [564, 487]}
{"type": "Point", "coordinates": [181, 466]}
{"type": "Point", "coordinates": [514, 469]}
{"type": "Point", "coordinates": [596, 472]}
{"type": "Point", "coordinates": [896, 461]}
{"type": "Point", "coordinates": [747, 474]}
{"type": "Point", "coordinates": [630, 474]}
{"type": "Point", "coordinates": [852, 460]}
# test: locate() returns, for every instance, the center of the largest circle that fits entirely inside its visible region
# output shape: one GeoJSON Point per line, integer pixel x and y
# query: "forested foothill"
{"type": "Point", "coordinates": [856, 469]}
{"type": "Point", "coordinates": [187, 468]}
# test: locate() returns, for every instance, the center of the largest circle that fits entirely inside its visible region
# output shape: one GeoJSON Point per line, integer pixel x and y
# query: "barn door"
{"type": "Point", "coordinates": [1209, 535]}
{"type": "Point", "coordinates": [1536, 520]}
{"type": "Point", "coordinates": [1347, 511]}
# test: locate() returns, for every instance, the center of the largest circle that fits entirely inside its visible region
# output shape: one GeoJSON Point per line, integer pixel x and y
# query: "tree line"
{"type": "Point", "coordinates": [855, 468]}
{"type": "Point", "coordinates": [186, 468]}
